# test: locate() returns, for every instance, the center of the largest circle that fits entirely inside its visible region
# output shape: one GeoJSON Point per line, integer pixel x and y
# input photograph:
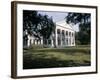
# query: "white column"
{"type": "Point", "coordinates": [39, 42]}
{"type": "Point", "coordinates": [52, 41]}
{"type": "Point", "coordinates": [32, 39]}
{"type": "Point", "coordinates": [28, 44]}
{"type": "Point", "coordinates": [35, 42]}
{"type": "Point", "coordinates": [42, 41]}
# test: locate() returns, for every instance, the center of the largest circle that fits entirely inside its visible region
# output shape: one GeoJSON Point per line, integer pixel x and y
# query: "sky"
{"type": "Point", "coordinates": [58, 16]}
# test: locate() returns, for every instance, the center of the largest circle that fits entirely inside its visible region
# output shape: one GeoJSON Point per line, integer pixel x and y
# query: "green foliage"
{"type": "Point", "coordinates": [77, 17]}
{"type": "Point", "coordinates": [84, 33]}
{"type": "Point", "coordinates": [83, 19]}
{"type": "Point", "coordinates": [47, 27]}
{"type": "Point", "coordinates": [37, 24]}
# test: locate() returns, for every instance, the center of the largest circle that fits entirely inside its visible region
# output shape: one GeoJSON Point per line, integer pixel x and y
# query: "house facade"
{"type": "Point", "coordinates": [64, 36]}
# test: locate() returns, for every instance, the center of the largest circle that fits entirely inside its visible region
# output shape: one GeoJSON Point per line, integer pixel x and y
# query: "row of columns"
{"type": "Point", "coordinates": [60, 38]}
{"type": "Point", "coordinates": [64, 38]}
{"type": "Point", "coordinates": [32, 40]}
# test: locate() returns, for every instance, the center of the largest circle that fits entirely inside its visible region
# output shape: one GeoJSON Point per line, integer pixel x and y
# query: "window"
{"type": "Point", "coordinates": [67, 33]}
{"type": "Point", "coordinates": [70, 34]}
{"type": "Point", "coordinates": [58, 31]}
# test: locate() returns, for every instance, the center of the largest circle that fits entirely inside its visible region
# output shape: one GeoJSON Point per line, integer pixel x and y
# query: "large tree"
{"type": "Point", "coordinates": [31, 20]}
{"type": "Point", "coordinates": [48, 27]}
{"type": "Point", "coordinates": [84, 21]}
{"type": "Point", "coordinates": [37, 24]}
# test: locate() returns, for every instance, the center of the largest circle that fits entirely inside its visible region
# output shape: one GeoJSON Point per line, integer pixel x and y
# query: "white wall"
{"type": "Point", "coordinates": [5, 40]}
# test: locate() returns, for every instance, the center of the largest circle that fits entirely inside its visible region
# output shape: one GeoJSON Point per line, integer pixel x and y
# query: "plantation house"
{"type": "Point", "coordinates": [64, 36]}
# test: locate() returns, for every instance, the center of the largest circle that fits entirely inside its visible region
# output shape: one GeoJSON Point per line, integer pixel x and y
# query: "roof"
{"type": "Point", "coordinates": [64, 24]}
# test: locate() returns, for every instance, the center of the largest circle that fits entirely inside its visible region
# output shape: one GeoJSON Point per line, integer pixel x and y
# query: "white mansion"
{"type": "Point", "coordinates": [64, 36]}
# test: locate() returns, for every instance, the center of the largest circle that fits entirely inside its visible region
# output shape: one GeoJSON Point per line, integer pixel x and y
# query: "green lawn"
{"type": "Point", "coordinates": [56, 57]}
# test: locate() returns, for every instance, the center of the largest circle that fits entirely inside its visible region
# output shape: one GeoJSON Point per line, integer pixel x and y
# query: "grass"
{"type": "Point", "coordinates": [56, 57]}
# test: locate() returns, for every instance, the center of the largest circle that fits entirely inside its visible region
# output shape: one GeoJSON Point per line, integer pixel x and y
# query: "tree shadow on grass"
{"type": "Point", "coordinates": [35, 63]}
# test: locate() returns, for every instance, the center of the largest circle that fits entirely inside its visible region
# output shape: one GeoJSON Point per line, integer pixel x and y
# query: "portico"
{"type": "Point", "coordinates": [64, 36]}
